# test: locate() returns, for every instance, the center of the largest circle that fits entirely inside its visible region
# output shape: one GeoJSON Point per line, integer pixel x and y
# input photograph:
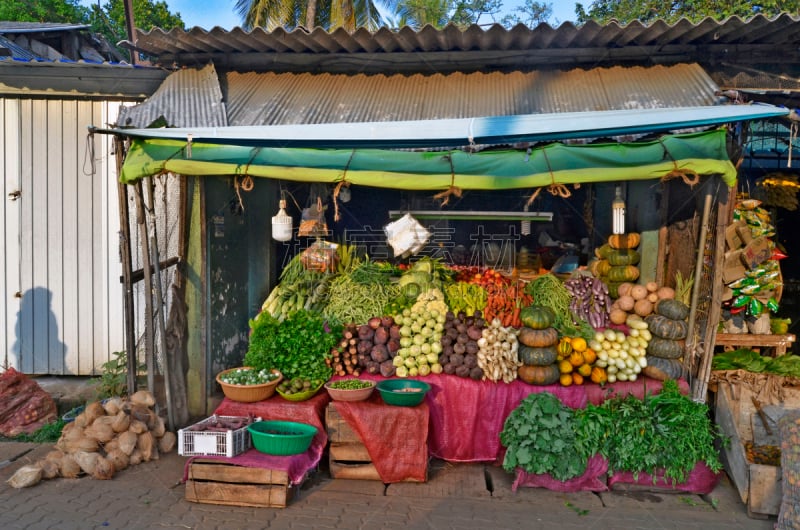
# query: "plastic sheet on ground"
{"type": "Point", "coordinates": [640, 388]}
{"type": "Point", "coordinates": [276, 408]}
{"type": "Point", "coordinates": [395, 437]}
{"type": "Point", "coordinates": [593, 479]}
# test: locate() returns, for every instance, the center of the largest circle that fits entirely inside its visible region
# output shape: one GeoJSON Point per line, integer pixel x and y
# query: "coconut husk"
{"type": "Point", "coordinates": [121, 422]}
{"type": "Point", "coordinates": [145, 444]}
{"type": "Point", "coordinates": [103, 469]}
{"type": "Point", "coordinates": [54, 455]}
{"type": "Point", "coordinates": [119, 459]}
{"type": "Point", "coordinates": [112, 406]}
{"type": "Point", "coordinates": [87, 461]}
{"type": "Point", "coordinates": [127, 442]}
{"type": "Point", "coordinates": [142, 413]}
{"type": "Point", "coordinates": [136, 457]}
{"type": "Point", "coordinates": [49, 468]}
{"type": "Point", "coordinates": [158, 429]}
{"type": "Point", "coordinates": [68, 467]}
{"type": "Point", "coordinates": [143, 397]}
{"type": "Point", "coordinates": [100, 430]}
{"type": "Point", "coordinates": [93, 411]}
{"type": "Point", "coordinates": [167, 442]}
{"type": "Point", "coordinates": [137, 427]}
{"type": "Point", "coordinates": [79, 421]}
{"type": "Point", "coordinates": [25, 477]}
{"type": "Point", "coordinates": [76, 440]}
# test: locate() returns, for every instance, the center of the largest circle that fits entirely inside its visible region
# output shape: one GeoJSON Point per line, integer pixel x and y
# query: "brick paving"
{"type": "Point", "coordinates": [150, 496]}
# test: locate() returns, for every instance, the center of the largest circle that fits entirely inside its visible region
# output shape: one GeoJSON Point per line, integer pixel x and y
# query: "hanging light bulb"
{"type": "Point", "coordinates": [618, 213]}
{"type": "Point", "coordinates": [282, 224]}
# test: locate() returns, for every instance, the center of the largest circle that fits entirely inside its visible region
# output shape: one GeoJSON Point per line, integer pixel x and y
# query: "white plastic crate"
{"type": "Point", "coordinates": [210, 443]}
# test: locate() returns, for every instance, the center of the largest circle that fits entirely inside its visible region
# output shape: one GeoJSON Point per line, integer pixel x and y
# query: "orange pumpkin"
{"type": "Point", "coordinates": [621, 241]}
{"type": "Point", "coordinates": [585, 370]}
{"type": "Point", "coordinates": [589, 356]}
{"type": "Point", "coordinates": [564, 347]}
{"type": "Point", "coordinates": [565, 380]}
{"type": "Point", "coordinates": [577, 379]}
{"type": "Point", "coordinates": [598, 376]}
{"type": "Point", "coordinates": [576, 359]}
{"type": "Point", "coordinates": [578, 344]}
{"type": "Point", "coordinates": [565, 366]}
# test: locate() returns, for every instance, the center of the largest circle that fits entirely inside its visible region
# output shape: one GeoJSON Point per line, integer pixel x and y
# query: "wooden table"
{"type": "Point", "coordinates": [777, 342]}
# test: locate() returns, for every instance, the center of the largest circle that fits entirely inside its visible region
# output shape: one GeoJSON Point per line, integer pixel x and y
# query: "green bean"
{"type": "Point", "coordinates": [350, 384]}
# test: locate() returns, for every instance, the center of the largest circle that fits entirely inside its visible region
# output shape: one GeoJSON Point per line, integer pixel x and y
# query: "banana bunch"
{"type": "Point", "coordinates": [781, 190]}
{"type": "Point", "coordinates": [466, 297]}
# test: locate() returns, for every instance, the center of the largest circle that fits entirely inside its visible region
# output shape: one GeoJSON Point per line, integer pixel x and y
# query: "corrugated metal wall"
{"type": "Point", "coordinates": [59, 269]}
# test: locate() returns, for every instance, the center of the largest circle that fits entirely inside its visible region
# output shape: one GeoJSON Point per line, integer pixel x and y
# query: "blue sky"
{"type": "Point", "coordinates": [221, 12]}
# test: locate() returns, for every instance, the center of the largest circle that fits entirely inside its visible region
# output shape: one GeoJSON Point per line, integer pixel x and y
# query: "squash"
{"type": "Point", "coordinates": [623, 257]}
{"type": "Point", "coordinates": [671, 308]}
{"type": "Point", "coordinates": [537, 338]}
{"type": "Point", "coordinates": [663, 369]}
{"type": "Point", "coordinates": [537, 356]}
{"type": "Point", "coordinates": [603, 266]}
{"type": "Point", "coordinates": [539, 375]}
{"type": "Point", "coordinates": [665, 348]}
{"type": "Point", "coordinates": [619, 241]}
{"type": "Point", "coordinates": [598, 375]}
{"type": "Point", "coordinates": [576, 359]}
{"type": "Point", "coordinates": [623, 273]}
{"type": "Point", "coordinates": [537, 316]}
{"type": "Point", "coordinates": [603, 251]}
{"type": "Point", "coordinates": [564, 347]}
{"type": "Point", "coordinates": [666, 328]}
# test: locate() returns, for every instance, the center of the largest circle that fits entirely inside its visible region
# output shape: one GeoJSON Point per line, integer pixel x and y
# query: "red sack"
{"type": "Point", "coordinates": [24, 405]}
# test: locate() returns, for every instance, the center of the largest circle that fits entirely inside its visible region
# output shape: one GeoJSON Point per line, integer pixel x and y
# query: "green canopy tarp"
{"type": "Point", "coordinates": [703, 154]}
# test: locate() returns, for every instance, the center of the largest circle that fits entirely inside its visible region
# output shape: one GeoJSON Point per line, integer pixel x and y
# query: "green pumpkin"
{"type": "Point", "coordinates": [623, 257]}
{"type": "Point", "coordinates": [666, 328]}
{"type": "Point", "coordinates": [537, 356]}
{"type": "Point", "coordinates": [537, 316]}
{"type": "Point", "coordinates": [671, 308]}
{"type": "Point", "coordinates": [663, 369]}
{"type": "Point", "coordinates": [539, 375]}
{"type": "Point", "coordinates": [665, 348]}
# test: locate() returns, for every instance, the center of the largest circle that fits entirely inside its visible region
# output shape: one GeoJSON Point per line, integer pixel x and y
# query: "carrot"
{"type": "Point", "coordinates": [515, 316]}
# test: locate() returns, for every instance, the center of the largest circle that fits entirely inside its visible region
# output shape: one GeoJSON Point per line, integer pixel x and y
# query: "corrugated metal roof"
{"type": "Point", "coordinates": [430, 50]}
{"type": "Point", "coordinates": [7, 26]}
{"type": "Point", "coordinates": [287, 98]}
{"type": "Point", "coordinates": [15, 51]}
{"type": "Point", "coordinates": [186, 98]}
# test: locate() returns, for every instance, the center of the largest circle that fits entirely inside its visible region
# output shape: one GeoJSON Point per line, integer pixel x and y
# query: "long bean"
{"type": "Point", "coordinates": [353, 302]}
{"type": "Point", "coordinates": [549, 291]}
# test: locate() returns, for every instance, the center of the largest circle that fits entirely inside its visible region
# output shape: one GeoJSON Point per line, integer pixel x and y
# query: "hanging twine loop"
{"type": "Point", "coordinates": [556, 189]}
{"type": "Point", "coordinates": [338, 187]}
{"type": "Point", "coordinates": [246, 183]}
{"type": "Point", "coordinates": [690, 177]}
{"type": "Point", "coordinates": [452, 190]}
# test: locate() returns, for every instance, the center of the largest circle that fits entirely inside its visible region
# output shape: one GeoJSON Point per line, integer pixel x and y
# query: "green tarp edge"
{"type": "Point", "coordinates": [702, 153]}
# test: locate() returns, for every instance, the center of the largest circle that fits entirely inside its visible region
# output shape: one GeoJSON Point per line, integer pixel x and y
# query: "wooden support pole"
{"type": "Point", "coordinates": [148, 287]}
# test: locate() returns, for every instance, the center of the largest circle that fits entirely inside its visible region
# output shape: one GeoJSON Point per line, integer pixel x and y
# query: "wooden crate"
{"type": "Point", "coordinates": [347, 456]}
{"type": "Point", "coordinates": [217, 482]}
{"type": "Point", "coordinates": [759, 485]}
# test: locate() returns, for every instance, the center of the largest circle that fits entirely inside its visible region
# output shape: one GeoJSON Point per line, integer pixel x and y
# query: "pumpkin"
{"type": "Point", "coordinates": [585, 370]}
{"type": "Point", "coordinates": [613, 287]}
{"type": "Point", "coordinates": [589, 356]}
{"type": "Point", "coordinates": [537, 356]}
{"type": "Point", "coordinates": [666, 328]}
{"type": "Point", "coordinates": [603, 266]}
{"type": "Point", "coordinates": [665, 348]}
{"type": "Point", "coordinates": [603, 251]}
{"type": "Point", "coordinates": [598, 375]}
{"type": "Point", "coordinates": [576, 359]}
{"type": "Point", "coordinates": [539, 375]}
{"type": "Point", "coordinates": [623, 273]}
{"type": "Point", "coordinates": [619, 241]}
{"type": "Point", "coordinates": [623, 257]}
{"type": "Point", "coordinates": [564, 346]}
{"type": "Point", "coordinates": [577, 379]}
{"type": "Point", "coordinates": [671, 308]}
{"type": "Point", "coordinates": [537, 316]}
{"type": "Point", "coordinates": [663, 369]}
{"type": "Point", "coordinates": [536, 338]}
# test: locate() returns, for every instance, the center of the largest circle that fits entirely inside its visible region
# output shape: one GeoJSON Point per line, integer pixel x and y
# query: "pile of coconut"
{"type": "Point", "coordinates": [105, 438]}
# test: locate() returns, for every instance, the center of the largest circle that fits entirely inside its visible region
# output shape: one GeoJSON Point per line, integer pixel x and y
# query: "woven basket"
{"type": "Point", "coordinates": [248, 393]}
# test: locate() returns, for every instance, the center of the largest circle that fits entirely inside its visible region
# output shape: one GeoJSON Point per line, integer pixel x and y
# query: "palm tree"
{"type": "Point", "coordinates": [328, 14]}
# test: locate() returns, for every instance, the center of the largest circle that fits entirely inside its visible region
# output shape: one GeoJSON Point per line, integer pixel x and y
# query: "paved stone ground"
{"type": "Point", "coordinates": [150, 496]}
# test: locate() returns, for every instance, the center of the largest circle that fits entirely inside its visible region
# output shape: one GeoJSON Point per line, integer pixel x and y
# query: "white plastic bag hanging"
{"type": "Point", "coordinates": [406, 236]}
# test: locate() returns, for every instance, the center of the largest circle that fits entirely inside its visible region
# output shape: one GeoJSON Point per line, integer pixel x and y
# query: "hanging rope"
{"type": "Point", "coordinates": [89, 156]}
{"type": "Point", "coordinates": [445, 195]}
{"type": "Point", "coordinates": [792, 138]}
{"type": "Point", "coordinates": [690, 177]}
{"type": "Point", "coordinates": [247, 184]}
{"type": "Point", "coordinates": [558, 190]}
{"type": "Point", "coordinates": [338, 188]}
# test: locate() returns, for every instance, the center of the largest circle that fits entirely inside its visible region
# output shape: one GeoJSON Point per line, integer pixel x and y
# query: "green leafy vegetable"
{"type": "Point", "coordinates": [298, 346]}
{"type": "Point", "coordinates": [541, 438]}
{"type": "Point", "coordinates": [667, 431]}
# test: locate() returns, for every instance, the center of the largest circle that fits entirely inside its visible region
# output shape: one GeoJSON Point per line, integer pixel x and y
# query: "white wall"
{"type": "Point", "coordinates": [62, 310]}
